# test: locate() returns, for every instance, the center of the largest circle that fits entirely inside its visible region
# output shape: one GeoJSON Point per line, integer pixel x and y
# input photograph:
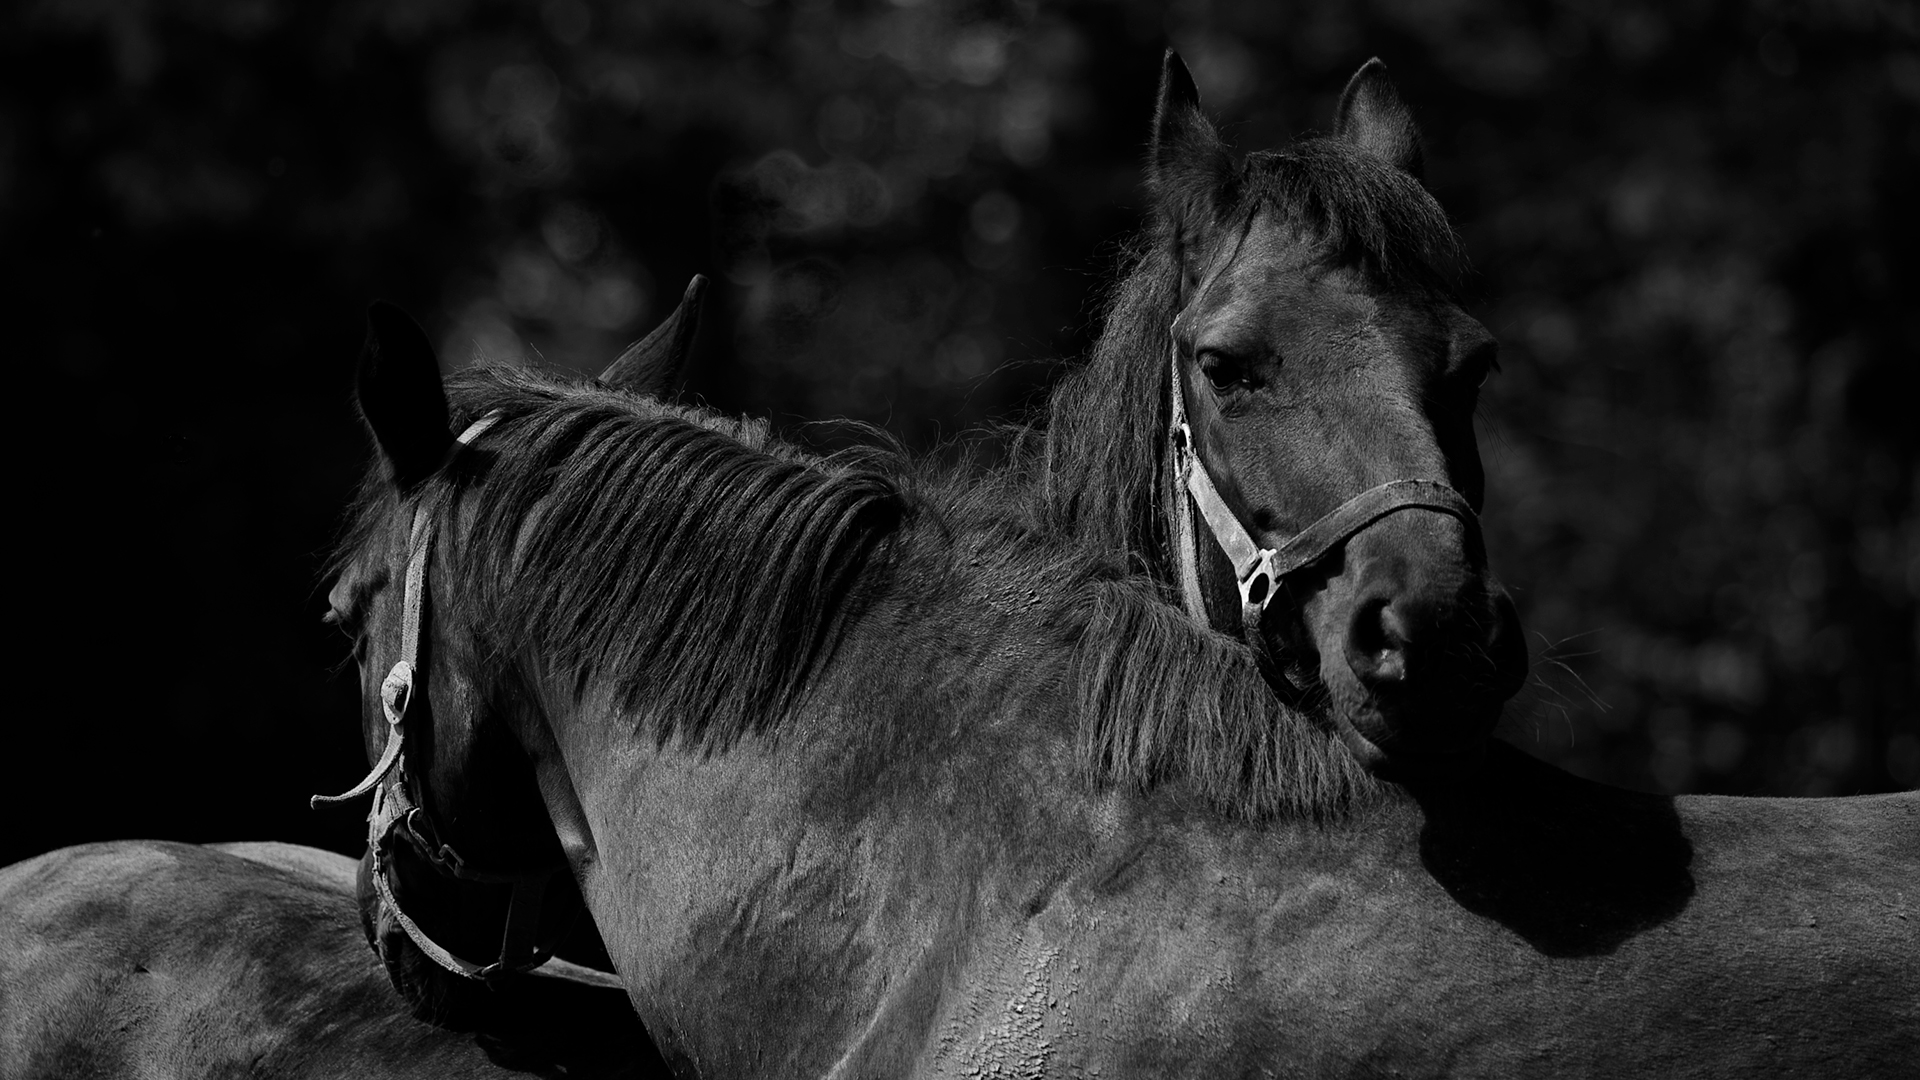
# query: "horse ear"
{"type": "Point", "coordinates": [651, 365]}
{"type": "Point", "coordinates": [1188, 167]}
{"type": "Point", "coordinates": [399, 390]}
{"type": "Point", "coordinates": [1373, 118]}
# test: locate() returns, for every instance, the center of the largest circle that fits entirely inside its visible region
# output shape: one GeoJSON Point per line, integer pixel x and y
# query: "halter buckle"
{"type": "Point", "coordinates": [1259, 582]}
{"type": "Point", "coordinates": [396, 692]}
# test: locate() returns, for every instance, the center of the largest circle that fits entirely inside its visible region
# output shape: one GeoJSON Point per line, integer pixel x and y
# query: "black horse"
{"type": "Point", "coordinates": [1329, 304]}
{"type": "Point", "coordinates": [1284, 368]}
{"type": "Point", "coordinates": [857, 781]}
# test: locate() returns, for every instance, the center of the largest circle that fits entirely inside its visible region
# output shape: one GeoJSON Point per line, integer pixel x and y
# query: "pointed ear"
{"type": "Point", "coordinates": [1373, 118]}
{"type": "Point", "coordinates": [1188, 168]}
{"type": "Point", "coordinates": [652, 365]}
{"type": "Point", "coordinates": [400, 394]}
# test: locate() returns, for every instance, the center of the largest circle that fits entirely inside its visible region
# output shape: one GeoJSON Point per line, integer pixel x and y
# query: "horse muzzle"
{"type": "Point", "coordinates": [1419, 649]}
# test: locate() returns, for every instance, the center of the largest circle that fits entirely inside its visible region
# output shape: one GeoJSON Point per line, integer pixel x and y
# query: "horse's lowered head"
{"type": "Point", "coordinates": [464, 883]}
{"type": "Point", "coordinates": [1328, 377]}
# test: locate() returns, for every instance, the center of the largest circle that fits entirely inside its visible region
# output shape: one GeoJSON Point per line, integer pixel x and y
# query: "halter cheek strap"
{"type": "Point", "coordinates": [1259, 570]}
{"type": "Point", "coordinates": [394, 818]}
{"type": "Point", "coordinates": [396, 691]}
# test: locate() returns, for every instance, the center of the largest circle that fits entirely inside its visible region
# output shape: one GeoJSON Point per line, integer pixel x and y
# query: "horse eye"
{"type": "Point", "coordinates": [1481, 364]}
{"type": "Point", "coordinates": [1223, 371]}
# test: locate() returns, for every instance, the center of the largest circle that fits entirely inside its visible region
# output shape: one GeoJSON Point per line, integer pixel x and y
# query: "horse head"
{"type": "Point", "coordinates": [1325, 376]}
{"type": "Point", "coordinates": [464, 882]}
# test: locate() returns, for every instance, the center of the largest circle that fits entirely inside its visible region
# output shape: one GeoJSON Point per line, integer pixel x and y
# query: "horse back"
{"type": "Point", "coordinates": [148, 958]}
{"type": "Point", "coordinates": [326, 869]}
{"type": "Point", "coordinates": [1561, 929]}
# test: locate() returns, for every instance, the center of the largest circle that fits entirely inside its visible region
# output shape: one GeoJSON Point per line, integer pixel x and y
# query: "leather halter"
{"type": "Point", "coordinates": [395, 817]}
{"type": "Point", "coordinates": [1260, 570]}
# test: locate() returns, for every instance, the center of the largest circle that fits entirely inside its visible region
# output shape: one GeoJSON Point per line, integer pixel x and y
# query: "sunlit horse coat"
{"type": "Point", "coordinates": [143, 958]}
{"type": "Point", "coordinates": [856, 784]}
{"type": "Point", "coordinates": [1329, 377]}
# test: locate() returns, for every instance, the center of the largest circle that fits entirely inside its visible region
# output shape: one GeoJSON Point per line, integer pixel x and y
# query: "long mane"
{"type": "Point", "coordinates": [703, 571]}
{"type": "Point", "coordinates": [1159, 699]}
{"type": "Point", "coordinates": [688, 562]}
{"type": "Point", "coordinates": [1094, 461]}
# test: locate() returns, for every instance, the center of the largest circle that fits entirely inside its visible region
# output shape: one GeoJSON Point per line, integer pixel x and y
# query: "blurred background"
{"type": "Point", "coordinates": [1693, 226]}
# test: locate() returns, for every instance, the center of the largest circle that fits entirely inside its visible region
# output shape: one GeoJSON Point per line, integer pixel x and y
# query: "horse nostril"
{"type": "Point", "coordinates": [1377, 644]}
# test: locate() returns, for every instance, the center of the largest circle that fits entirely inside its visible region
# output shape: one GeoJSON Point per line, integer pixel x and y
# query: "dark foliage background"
{"type": "Point", "coordinates": [1693, 224]}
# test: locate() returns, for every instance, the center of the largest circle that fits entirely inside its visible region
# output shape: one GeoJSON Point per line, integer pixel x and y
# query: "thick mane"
{"type": "Point", "coordinates": [1157, 699]}
{"type": "Point", "coordinates": [701, 570]}
{"type": "Point", "coordinates": [1094, 466]}
{"type": "Point", "coordinates": [690, 563]}
{"type": "Point", "coordinates": [1160, 698]}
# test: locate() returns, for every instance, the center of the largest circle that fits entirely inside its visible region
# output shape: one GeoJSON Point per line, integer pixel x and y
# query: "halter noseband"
{"type": "Point", "coordinates": [1260, 570]}
{"type": "Point", "coordinates": [395, 817]}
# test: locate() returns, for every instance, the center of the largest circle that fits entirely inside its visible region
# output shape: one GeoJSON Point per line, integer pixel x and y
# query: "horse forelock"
{"type": "Point", "coordinates": [1356, 209]}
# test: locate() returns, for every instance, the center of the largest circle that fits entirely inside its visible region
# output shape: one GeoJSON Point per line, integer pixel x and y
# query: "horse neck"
{"type": "Point", "coordinates": [875, 870]}
{"type": "Point", "coordinates": [715, 876]}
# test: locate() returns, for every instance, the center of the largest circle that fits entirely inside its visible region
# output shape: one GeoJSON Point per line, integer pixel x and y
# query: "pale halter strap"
{"type": "Point", "coordinates": [1259, 570]}
{"type": "Point", "coordinates": [396, 691]}
{"type": "Point", "coordinates": [393, 811]}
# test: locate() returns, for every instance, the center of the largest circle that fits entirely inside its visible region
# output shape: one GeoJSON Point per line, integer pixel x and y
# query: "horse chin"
{"type": "Point", "coordinates": [433, 994]}
{"type": "Point", "coordinates": [1404, 765]}
{"type": "Point", "coordinates": [1381, 745]}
